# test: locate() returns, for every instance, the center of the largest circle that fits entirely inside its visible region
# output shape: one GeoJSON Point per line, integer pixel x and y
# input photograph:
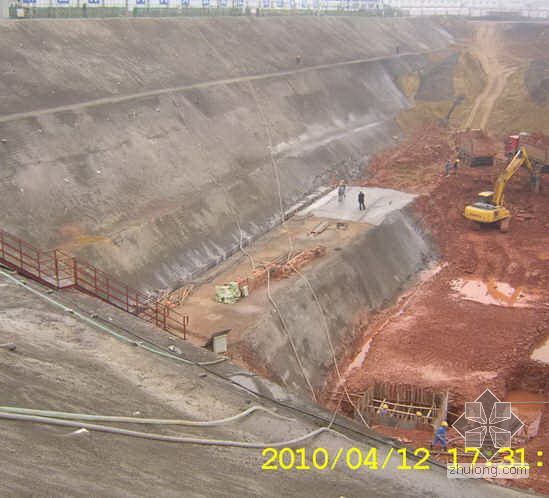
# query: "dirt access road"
{"type": "Point", "coordinates": [488, 49]}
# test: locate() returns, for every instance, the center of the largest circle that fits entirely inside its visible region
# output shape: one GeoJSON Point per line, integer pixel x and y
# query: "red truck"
{"type": "Point", "coordinates": [537, 148]}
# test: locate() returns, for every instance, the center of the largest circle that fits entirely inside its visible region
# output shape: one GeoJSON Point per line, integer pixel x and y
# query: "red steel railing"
{"type": "Point", "coordinates": [59, 270]}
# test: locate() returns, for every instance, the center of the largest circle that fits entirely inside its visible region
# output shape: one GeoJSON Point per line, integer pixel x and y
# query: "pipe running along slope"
{"type": "Point", "coordinates": [98, 325]}
{"type": "Point", "coordinates": [205, 365]}
{"type": "Point", "coordinates": [163, 437]}
{"type": "Point", "coordinates": [139, 420]}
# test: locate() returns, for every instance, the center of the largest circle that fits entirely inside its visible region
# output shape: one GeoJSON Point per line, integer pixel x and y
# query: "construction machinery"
{"type": "Point", "coordinates": [489, 208]}
{"type": "Point", "coordinates": [475, 148]}
{"type": "Point", "coordinates": [537, 146]}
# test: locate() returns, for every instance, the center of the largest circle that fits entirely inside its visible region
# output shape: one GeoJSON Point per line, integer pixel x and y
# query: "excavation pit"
{"type": "Point", "coordinates": [402, 406]}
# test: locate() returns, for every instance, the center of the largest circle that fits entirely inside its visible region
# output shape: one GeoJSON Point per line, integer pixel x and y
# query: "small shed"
{"type": "Point", "coordinates": [218, 342]}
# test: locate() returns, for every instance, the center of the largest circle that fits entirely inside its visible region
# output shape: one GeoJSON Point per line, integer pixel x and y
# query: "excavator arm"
{"type": "Point", "coordinates": [520, 159]}
{"type": "Point", "coordinates": [490, 206]}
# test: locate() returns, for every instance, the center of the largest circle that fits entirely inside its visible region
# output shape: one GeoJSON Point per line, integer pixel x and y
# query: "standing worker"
{"type": "Point", "coordinates": [456, 164]}
{"type": "Point", "coordinates": [341, 191]}
{"type": "Point", "coordinates": [448, 167]}
{"type": "Point", "coordinates": [361, 205]}
{"type": "Point", "coordinates": [384, 410]}
{"type": "Point", "coordinates": [440, 436]}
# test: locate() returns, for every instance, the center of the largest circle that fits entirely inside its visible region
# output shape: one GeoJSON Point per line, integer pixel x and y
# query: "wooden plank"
{"type": "Point", "coordinates": [318, 229]}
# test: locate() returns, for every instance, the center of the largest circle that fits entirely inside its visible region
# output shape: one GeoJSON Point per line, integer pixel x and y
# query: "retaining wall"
{"type": "Point", "coordinates": [365, 275]}
{"type": "Point", "coordinates": [151, 181]}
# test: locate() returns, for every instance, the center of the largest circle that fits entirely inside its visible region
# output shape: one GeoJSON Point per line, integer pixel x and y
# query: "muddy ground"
{"type": "Point", "coordinates": [439, 338]}
{"type": "Point", "coordinates": [456, 330]}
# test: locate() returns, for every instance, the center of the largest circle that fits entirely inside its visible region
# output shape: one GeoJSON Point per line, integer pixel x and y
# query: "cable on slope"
{"type": "Point", "coordinates": [163, 437]}
{"type": "Point", "coordinates": [139, 420]}
{"type": "Point", "coordinates": [291, 250]}
{"type": "Point", "coordinates": [331, 344]}
{"type": "Point", "coordinates": [290, 339]}
{"type": "Point", "coordinates": [108, 329]}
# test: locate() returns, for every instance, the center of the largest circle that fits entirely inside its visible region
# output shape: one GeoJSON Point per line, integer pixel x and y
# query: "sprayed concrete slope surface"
{"type": "Point", "coordinates": [321, 309]}
{"type": "Point", "coordinates": [63, 363]}
{"type": "Point", "coordinates": [142, 145]}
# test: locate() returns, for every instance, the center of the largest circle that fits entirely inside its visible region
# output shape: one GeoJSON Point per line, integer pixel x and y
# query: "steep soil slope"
{"type": "Point", "coordinates": [143, 145]}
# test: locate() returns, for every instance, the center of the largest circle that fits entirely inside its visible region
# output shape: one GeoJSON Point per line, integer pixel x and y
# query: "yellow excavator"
{"type": "Point", "coordinates": [489, 208]}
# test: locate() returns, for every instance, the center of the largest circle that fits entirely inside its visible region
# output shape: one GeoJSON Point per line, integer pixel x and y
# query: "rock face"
{"type": "Point", "coordinates": [143, 145]}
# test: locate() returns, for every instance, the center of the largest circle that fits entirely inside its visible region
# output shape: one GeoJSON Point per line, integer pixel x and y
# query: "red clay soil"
{"type": "Point", "coordinates": [414, 164]}
{"type": "Point", "coordinates": [433, 337]}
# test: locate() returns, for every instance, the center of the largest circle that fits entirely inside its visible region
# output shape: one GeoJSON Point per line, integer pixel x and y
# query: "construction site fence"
{"type": "Point", "coordinates": [59, 270]}
{"type": "Point", "coordinates": [122, 9]}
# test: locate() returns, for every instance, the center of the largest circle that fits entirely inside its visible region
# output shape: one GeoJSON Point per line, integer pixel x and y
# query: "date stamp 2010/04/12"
{"type": "Point", "coordinates": [350, 458]}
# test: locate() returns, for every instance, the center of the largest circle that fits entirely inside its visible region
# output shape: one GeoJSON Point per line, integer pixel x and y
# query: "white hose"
{"type": "Point", "coordinates": [139, 420]}
{"type": "Point", "coordinates": [162, 437]}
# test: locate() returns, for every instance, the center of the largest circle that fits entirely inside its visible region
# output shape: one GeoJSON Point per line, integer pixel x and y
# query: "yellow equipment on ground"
{"type": "Point", "coordinates": [489, 207]}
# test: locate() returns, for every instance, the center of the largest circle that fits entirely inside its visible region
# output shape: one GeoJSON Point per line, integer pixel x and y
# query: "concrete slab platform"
{"type": "Point", "coordinates": [380, 202]}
